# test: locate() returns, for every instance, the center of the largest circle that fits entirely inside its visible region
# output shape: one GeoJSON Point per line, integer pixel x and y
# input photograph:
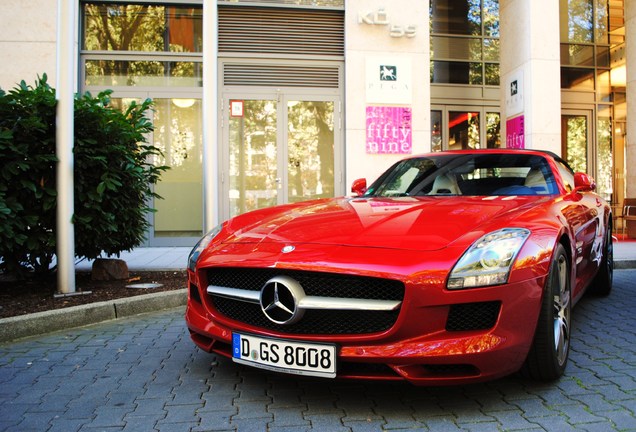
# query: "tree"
{"type": "Point", "coordinates": [113, 176]}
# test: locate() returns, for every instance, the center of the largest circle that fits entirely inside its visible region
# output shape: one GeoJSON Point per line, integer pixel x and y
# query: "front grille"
{"type": "Point", "coordinates": [473, 316]}
{"type": "Point", "coordinates": [314, 284]}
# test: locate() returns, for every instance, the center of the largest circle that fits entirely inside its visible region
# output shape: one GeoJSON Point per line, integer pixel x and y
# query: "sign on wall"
{"type": "Point", "coordinates": [514, 94]}
{"type": "Point", "coordinates": [515, 133]}
{"type": "Point", "coordinates": [389, 80]}
{"type": "Point", "coordinates": [379, 17]}
{"type": "Point", "coordinates": [236, 108]}
{"type": "Point", "coordinates": [389, 130]}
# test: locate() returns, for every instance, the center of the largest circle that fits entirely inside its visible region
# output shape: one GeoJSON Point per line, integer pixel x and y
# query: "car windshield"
{"type": "Point", "coordinates": [467, 174]}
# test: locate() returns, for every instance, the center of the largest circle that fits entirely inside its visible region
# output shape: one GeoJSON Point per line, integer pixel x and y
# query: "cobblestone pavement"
{"type": "Point", "coordinates": [144, 374]}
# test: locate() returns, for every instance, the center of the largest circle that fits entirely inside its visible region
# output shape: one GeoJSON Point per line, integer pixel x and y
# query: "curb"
{"type": "Point", "coordinates": [38, 323]}
{"type": "Point", "coordinates": [624, 264]}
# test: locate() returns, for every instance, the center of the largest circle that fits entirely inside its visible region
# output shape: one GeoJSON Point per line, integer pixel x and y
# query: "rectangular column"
{"type": "Point", "coordinates": [530, 74]}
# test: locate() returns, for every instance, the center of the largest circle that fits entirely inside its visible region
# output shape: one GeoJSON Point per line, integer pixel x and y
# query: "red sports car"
{"type": "Point", "coordinates": [452, 267]}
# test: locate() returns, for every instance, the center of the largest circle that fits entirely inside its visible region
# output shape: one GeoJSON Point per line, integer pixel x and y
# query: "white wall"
{"type": "Point", "coordinates": [373, 42]}
{"type": "Point", "coordinates": [28, 32]}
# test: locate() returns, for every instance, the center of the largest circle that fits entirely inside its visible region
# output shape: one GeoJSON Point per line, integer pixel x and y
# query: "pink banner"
{"type": "Point", "coordinates": [389, 130]}
{"type": "Point", "coordinates": [515, 133]}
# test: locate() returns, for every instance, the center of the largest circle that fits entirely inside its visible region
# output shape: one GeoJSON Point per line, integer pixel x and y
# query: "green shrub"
{"type": "Point", "coordinates": [114, 175]}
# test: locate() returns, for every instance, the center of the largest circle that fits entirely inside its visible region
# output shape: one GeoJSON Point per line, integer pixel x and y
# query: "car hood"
{"type": "Point", "coordinates": [422, 223]}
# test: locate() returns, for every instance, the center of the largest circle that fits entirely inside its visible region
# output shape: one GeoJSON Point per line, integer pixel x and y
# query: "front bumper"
{"type": "Point", "coordinates": [419, 347]}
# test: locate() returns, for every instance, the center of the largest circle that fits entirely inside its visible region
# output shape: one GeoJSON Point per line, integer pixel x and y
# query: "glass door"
{"type": "Point", "coordinates": [463, 130]}
{"type": "Point", "coordinates": [253, 176]}
{"type": "Point", "coordinates": [575, 139]}
{"type": "Point", "coordinates": [279, 148]}
{"type": "Point", "coordinates": [310, 150]}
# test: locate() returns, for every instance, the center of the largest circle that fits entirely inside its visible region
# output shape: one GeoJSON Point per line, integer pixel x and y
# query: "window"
{"type": "Point", "coordinates": [142, 28]}
{"type": "Point", "coordinates": [584, 42]}
{"type": "Point", "coordinates": [567, 176]}
{"type": "Point", "coordinates": [465, 42]}
{"type": "Point", "coordinates": [141, 45]}
{"type": "Point", "coordinates": [467, 174]}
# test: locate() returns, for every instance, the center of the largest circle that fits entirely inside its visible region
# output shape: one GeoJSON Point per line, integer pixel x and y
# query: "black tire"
{"type": "Point", "coordinates": [602, 282]}
{"type": "Point", "coordinates": [550, 349]}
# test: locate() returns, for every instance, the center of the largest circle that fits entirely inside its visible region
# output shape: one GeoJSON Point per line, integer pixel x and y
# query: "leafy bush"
{"type": "Point", "coordinates": [114, 175]}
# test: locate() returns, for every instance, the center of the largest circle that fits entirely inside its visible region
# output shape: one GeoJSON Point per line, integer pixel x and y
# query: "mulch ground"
{"type": "Point", "coordinates": [24, 297]}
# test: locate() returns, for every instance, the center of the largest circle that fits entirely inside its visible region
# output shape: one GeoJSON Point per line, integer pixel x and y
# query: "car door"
{"type": "Point", "coordinates": [589, 238]}
{"type": "Point", "coordinates": [583, 214]}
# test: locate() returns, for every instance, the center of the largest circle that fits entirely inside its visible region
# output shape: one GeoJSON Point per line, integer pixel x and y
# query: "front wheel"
{"type": "Point", "coordinates": [548, 355]}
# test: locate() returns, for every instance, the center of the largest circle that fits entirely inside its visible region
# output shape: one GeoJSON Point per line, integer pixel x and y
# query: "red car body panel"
{"type": "Point", "coordinates": [417, 241]}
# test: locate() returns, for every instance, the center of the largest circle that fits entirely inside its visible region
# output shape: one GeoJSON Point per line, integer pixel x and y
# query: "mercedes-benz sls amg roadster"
{"type": "Point", "coordinates": [452, 267]}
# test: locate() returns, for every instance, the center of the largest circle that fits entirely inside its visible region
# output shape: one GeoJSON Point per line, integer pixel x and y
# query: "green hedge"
{"type": "Point", "coordinates": [114, 175]}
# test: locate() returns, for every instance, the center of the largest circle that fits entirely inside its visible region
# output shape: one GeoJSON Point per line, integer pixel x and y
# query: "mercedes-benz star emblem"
{"type": "Point", "coordinates": [279, 300]}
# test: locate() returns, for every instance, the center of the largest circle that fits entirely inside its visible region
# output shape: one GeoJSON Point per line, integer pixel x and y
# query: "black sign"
{"type": "Point", "coordinates": [388, 73]}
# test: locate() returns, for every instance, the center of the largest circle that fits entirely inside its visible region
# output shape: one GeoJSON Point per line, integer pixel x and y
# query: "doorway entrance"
{"type": "Point", "coordinates": [462, 127]}
{"type": "Point", "coordinates": [576, 133]}
{"type": "Point", "coordinates": [279, 147]}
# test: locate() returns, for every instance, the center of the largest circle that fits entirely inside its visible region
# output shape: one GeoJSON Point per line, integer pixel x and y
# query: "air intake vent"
{"type": "Point", "coordinates": [280, 75]}
{"type": "Point", "coordinates": [268, 30]}
{"type": "Point", "coordinates": [473, 316]}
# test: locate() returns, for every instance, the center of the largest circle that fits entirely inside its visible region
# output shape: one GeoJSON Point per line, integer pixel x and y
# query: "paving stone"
{"type": "Point", "coordinates": [252, 410]}
{"type": "Point", "coordinates": [551, 424]}
{"type": "Point", "coordinates": [108, 416]}
{"type": "Point", "coordinates": [580, 414]}
{"type": "Point", "coordinates": [289, 416]}
{"type": "Point", "coordinates": [368, 425]}
{"type": "Point", "coordinates": [442, 424]}
{"type": "Point", "coordinates": [534, 408]}
{"type": "Point", "coordinates": [623, 420]}
{"type": "Point", "coordinates": [66, 425]}
{"type": "Point", "coordinates": [181, 414]}
{"type": "Point", "coordinates": [39, 421]}
{"type": "Point", "coordinates": [326, 422]}
{"type": "Point", "coordinates": [82, 408]}
{"type": "Point", "coordinates": [139, 423]}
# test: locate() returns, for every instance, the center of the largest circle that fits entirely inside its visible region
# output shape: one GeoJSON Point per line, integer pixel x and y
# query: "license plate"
{"type": "Point", "coordinates": [287, 356]}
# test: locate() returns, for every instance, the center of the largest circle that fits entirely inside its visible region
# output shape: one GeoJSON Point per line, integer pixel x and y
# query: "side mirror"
{"type": "Point", "coordinates": [359, 187]}
{"type": "Point", "coordinates": [584, 182]}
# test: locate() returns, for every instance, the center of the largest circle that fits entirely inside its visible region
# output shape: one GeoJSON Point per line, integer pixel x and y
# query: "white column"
{"type": "Point", "coordinates": [64, 145]}
{"type": "Point", "coordinates": [210, 116]}
{"type": "Point", "coordinates": [530, 65]}
{"type": "Point", "coordinates": [630, 53]}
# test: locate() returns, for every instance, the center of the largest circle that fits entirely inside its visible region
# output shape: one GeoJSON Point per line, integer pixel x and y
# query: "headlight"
{"type": "Point", "coordinates": [489, 259]}
{"type": "Point", "coordinates": [201, 245]}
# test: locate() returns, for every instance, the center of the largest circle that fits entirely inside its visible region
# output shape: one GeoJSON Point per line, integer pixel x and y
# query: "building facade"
{"type": "Point", "coordinates": [307, 96]}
